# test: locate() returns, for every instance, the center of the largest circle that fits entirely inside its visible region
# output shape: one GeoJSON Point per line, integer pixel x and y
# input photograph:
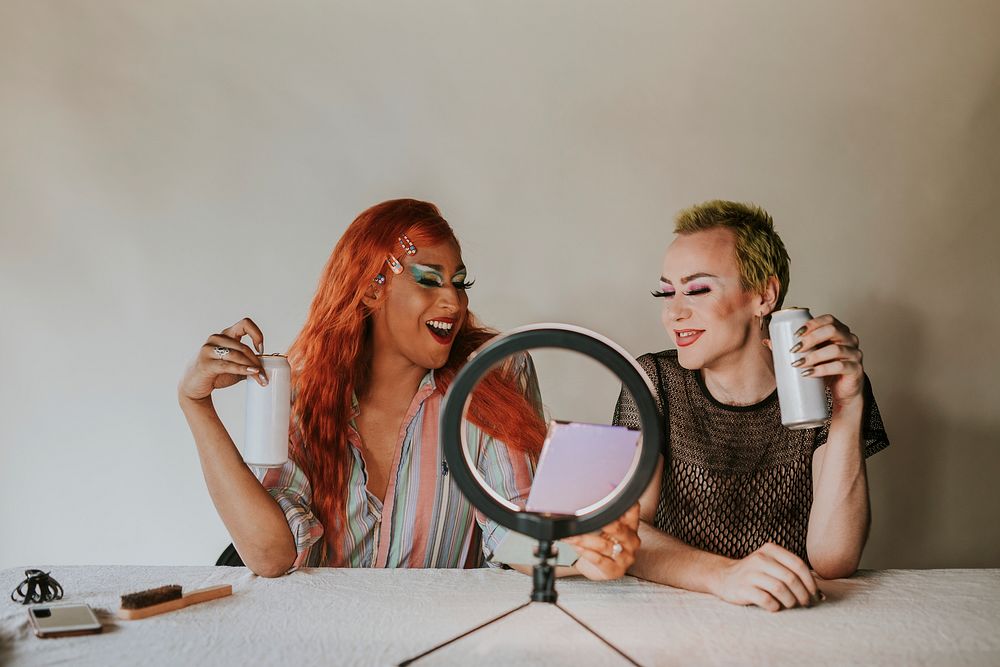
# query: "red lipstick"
{"type": "Point", "coordinates": [442, 329]}
{"type": "Point", "coordinates": [685, 337]}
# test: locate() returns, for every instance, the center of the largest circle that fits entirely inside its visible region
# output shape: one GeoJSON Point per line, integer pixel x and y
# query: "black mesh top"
{"type": "Point", "coordinates": [737, 477]}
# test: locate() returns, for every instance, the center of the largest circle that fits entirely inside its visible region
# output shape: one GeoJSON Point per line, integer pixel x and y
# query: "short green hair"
{"type": "Point", "coordinates": [760, 253]}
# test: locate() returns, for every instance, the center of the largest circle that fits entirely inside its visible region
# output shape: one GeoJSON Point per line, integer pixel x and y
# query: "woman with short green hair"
{"type": "Point", "coordinates": [747, 507]}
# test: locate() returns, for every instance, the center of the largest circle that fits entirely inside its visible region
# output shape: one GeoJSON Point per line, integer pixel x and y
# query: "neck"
{"type": "Point", "coordinates": [744, 377]}
{"type": "Point", "coordinates": [392, 379]}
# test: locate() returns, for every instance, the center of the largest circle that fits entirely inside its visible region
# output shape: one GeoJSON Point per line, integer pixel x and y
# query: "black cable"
{"type": "Point", "coordinates": [37, 587]}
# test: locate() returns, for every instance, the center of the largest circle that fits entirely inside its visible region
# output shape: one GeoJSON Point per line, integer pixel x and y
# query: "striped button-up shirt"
{"type": "Point", "coordinates": [425, 520]}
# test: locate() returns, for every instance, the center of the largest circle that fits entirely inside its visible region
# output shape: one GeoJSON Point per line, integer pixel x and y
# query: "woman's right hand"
{"type": "Point", "coordinates": [771, 577]}
{"type": "Point", "coordinates": [209, 370]}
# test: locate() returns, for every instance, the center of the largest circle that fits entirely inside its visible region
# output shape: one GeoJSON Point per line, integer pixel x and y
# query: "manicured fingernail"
{"type": "Point", "coordinates": [798, 362]}
{"type": "Point", "coordinates": [251, 369]}
{"type": "Point", "coordinates": [260, 348]}
{"type": "Point", "coordinates": [796, 348]}
{"type": "Point", "coordinates": [800, 331]}
{"type": "Point", "coordinates": [807, 372]}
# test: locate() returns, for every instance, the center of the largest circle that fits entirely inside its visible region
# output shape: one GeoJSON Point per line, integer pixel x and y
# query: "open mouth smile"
{"type": "Point", "coordinates": [685, 337]}
{"type": "Point", "coordinates": [442, 329]}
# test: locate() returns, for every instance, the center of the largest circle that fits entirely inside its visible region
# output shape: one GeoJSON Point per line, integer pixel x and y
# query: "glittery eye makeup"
{"type": "Point", "coordinates": [459, 282]}
{"type": "Point", "coordinates": [428, 276]}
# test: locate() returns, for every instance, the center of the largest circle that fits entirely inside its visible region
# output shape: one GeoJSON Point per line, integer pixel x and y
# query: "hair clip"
{"type": "Point", "coordinates": [37, 587]}
{"type": "Point", "coordinates": [397, 267]}
{"type": "Point", "coordinates": [407, 245]}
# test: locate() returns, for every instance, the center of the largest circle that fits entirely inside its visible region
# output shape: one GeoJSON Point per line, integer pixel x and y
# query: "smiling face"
{"type": "Point", "coordinates": [424, 306]}
{"type": "Point", "coordinates": [711, 318]}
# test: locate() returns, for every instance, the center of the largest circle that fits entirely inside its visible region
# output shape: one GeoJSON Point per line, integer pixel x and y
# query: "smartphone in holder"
{"type": "Point", "coordinates": [579, 465]}
{"type": "Point", "coordinates": [66, 619]}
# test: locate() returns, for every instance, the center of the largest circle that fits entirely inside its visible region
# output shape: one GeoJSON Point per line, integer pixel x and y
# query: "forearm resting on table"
{"type": "Point", "coordinates": [664, 559]}
{"type": "Point", "coordinates": [252, 517]}
{"type": "Point", "coordinates": [840, 513]}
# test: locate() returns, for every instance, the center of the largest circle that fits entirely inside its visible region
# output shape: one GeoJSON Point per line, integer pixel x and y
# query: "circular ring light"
{"type": "Point", "coordinates": [539, 525]}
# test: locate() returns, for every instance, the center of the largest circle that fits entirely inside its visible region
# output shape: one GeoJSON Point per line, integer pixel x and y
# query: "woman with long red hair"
{"type": "Point", "coordinates": [367, 484]}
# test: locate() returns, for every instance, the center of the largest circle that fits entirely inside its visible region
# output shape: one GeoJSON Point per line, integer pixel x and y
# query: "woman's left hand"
{"type": "Point", "coordinates": [600, 558]}
{"type": "Point", "coordinates": [829, 350]}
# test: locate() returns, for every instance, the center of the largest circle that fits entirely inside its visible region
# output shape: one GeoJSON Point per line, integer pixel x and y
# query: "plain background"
{"type": "Point", "coordinates": [169, 167]}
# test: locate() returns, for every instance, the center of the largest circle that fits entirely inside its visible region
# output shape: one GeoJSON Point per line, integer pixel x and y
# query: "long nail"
{"type": "Point", "coordinates": [796, 348]}
{"type": "Point", "coordinates": [807, 372]}
{"type": "Point", "coordinates": [798, 362]}
{"type": "Point", "coordinates": [801, 330]}
{"type": "Point", "coordinates": [251, 369]}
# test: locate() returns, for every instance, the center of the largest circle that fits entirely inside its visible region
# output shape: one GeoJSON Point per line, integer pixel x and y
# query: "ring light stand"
{"type": "Point", "coordinates": [547, 528]}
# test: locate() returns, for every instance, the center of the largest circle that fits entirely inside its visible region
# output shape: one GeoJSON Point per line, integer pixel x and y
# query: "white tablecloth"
{"type": "Point", "coordinates": [380, 617]}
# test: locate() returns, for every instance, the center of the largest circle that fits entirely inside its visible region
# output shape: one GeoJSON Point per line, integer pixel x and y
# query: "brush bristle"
{"type": "Point", "coordinates": [153, 596]}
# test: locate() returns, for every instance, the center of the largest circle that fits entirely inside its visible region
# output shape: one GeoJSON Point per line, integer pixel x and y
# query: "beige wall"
{"type": "Point", "coordinates": [166, 168]}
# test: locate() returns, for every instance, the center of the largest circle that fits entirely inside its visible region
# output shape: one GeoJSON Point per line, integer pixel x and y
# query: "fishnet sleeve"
{"type": "Point", "coordinates": [626, 411]}
{"type": "Point", "coordinates": [873, 435]}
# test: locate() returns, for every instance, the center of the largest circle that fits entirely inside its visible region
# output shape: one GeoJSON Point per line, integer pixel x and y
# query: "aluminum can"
{"type": "Point", "coordinates": [268, 412]}
{"type": "Point", "coordinates": [802, 399]}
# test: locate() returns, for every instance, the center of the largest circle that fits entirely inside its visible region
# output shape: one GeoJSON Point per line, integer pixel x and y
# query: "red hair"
{"type": "Point", "coordinates": [330, 358]}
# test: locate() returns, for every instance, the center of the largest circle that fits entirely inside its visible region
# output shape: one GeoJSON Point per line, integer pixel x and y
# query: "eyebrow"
{"type": "Point", "coordinates": [440, 269]}
{"type": "Point", "coordinates": [688, 279]}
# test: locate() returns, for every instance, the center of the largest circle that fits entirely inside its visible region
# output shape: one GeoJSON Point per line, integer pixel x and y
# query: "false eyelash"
{"type": "Point", "coordinates": [664, 295]}
{"type": "Point", "coordinates": [463, 286]}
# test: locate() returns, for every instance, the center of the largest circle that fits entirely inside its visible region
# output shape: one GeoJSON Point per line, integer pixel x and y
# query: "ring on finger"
{"type": "Point", "coordinates": [221, 352]}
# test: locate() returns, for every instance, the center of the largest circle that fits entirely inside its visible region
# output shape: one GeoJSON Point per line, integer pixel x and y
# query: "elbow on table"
{"type": "Point", "coordinates": [271, 571]}
{"type": "Point", "coordinates": [835, 567]}
{"type": "Point", "coordinates": [270, 566]}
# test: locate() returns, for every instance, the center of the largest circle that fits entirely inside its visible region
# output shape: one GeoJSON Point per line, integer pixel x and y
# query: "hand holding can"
{"type": "Point", "coordinates": [802, 399]}
{"type": "Point", "coordinates": [223, 360]}
{"type": "Point", "coordinates": [268, 413]}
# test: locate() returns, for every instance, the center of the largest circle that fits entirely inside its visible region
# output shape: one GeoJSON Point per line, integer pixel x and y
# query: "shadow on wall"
{"type": "Point", "coordinates": [903, 479]}
{"type": "Point", "coordinates": [934, 492]}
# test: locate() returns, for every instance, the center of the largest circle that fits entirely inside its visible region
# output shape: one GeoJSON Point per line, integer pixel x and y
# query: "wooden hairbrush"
{"type": "Point", "coordinates": [167, 598]}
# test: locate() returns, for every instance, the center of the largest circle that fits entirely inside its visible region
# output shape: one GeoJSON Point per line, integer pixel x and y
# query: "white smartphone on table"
{"type": "Point", "coordinates": [65, 619]}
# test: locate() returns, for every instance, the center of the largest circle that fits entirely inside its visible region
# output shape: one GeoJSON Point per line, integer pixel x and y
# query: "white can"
{"type": "Point", "coordinates": [268, 412]}
{"type": "Point", "coordinates": [802, 399]}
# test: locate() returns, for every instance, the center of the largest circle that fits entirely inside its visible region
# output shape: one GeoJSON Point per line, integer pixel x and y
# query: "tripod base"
{"type": "Point", "coordinates": [543, 591]}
